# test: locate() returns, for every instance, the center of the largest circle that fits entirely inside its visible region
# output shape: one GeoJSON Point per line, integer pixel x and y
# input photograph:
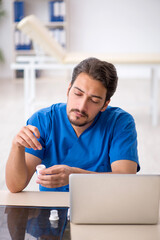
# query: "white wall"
{"type": "Point", "coordinates": [115, 25]}
{"type": "Point", "coordinates": [99, 26]}
{"type": "Point", "coordinates": [6, 40]}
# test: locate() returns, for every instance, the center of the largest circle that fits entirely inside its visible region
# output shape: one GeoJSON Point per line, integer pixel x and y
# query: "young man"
{"type": "Point", "coordinates": [83, 136]}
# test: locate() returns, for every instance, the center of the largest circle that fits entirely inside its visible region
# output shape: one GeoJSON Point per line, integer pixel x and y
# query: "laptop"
{"type": "Point", "coordinates": [114, 198]}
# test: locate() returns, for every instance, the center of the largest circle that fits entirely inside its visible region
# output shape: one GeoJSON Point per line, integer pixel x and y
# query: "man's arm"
{"type": "Point", "coordinates": [20, 165]}
{"type": "Point", "coordinates": [124, 167]}
{"type": "Point", "coordinates": [58, 175]}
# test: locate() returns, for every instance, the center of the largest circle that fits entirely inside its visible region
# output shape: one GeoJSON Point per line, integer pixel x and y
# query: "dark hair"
{"type": "Point", "coordinates": [99, 70]}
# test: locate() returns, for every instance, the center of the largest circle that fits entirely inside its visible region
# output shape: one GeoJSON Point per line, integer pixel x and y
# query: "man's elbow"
{"type": "Point", "coordinates": [124, 167]}
{"type": "Point", "coordinates": [14, 187]}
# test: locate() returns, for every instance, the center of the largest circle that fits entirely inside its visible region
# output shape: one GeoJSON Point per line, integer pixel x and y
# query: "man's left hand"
{"type": "Point", "coordinates": [55, 176]}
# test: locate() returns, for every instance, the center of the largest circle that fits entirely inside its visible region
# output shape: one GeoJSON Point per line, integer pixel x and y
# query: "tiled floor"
{"type": "Point", "coordinates": [132, 95]}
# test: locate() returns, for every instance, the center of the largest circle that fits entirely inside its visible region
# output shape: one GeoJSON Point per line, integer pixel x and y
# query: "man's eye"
{"type": "Point", "coordinates": [77, 94]}
{"type": "Point", "coordinates": [94, 101]}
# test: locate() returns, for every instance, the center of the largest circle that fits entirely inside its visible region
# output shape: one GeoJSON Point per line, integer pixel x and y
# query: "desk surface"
{"type": "Point", "coordinates": [36, 198]}
{"type": "Point", "coordinates": [79, 232]}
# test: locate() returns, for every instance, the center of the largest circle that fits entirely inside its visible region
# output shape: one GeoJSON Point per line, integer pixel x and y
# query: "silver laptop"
{"type": "Point", "coordinates": [114, 198]}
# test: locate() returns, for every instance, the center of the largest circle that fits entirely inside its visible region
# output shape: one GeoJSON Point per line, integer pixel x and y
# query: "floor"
{"type": "Point", "coordinates": [133, 95]}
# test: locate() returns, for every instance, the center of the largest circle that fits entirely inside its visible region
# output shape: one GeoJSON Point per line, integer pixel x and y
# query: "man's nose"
{"type": "Point", "coordinates": [83, 104]}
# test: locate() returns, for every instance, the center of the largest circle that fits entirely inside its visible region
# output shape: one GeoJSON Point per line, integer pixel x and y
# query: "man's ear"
{"type": "Point", "coordinates": [105, 106]}
{"type": "Point", "coordinates": [69, 87]}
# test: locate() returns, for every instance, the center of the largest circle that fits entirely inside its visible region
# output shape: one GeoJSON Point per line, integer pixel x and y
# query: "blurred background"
{"type": "Point", "coordinates": [95, 26]}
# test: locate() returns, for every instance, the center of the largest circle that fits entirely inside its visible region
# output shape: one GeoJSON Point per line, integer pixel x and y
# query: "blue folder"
{"type": "Point", "coordinates": [18, 10]}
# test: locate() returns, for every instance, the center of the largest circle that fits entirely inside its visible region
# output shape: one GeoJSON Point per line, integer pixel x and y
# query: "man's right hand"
{"type": "Point", "coordinates": [27, 137]}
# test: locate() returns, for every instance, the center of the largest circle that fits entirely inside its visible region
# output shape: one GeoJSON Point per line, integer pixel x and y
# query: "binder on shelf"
{"type": "Point", "coordinates": [55, 33]}
{"type": "Point", "coordinates": [18, 10]}
{"type": "Point", "coordinates": [62, 37]}
{"type": "Point", "coordinates": [22, 42]}
{"type": "Point", "coordinates": [57, 11]}
{"type": "Point", "coordinates": [59, 35]}
{"type": "Point", "coordinates": [62, 10]}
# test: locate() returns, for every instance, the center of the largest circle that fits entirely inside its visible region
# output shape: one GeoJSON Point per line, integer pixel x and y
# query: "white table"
{"type": "Point", "coordinates": [79, 232]}
{"type": "Point", "coordinates": [32, 63]}
{"type": "Point", "coordinates": [35, 198]}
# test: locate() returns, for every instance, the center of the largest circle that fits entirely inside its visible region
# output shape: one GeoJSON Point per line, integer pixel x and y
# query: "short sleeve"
{"type": "Point", "coordinates": [41, 120]}
{"type": "Point", "coordinates": [124, 140]}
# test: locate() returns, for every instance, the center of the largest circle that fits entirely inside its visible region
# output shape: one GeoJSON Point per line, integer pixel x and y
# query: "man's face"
{"type": "Point", "coordinates": [86, 98]}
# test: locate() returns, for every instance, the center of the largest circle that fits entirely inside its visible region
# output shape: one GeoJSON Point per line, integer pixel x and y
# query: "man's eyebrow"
{"type": "Point", "coordinates": [91, 95]}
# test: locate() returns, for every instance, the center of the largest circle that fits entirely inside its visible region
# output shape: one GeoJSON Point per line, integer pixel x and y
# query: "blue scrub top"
{"type": "Point", "coordinates": [111, 137]}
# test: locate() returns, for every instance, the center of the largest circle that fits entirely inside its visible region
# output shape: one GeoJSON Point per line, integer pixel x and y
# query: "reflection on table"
{"type": "Point", "coordinates": [27, 221]}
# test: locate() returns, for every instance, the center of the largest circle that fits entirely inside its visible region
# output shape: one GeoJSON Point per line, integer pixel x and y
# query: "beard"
{"type": "Point", "coordinates": [79, 121]}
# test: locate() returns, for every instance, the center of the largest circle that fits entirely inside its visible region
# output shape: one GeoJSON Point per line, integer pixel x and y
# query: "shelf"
{"type": "Point", "coordinates": [25, 52]}
{"type": "Point", "coordinates": [47, 24]}
{"type": "Point", "coordinates": [55, 24]}
{"type": "Point", "coordinates": [59, 29]}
